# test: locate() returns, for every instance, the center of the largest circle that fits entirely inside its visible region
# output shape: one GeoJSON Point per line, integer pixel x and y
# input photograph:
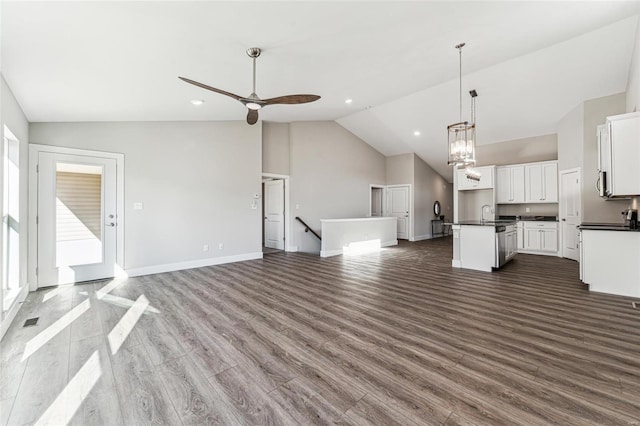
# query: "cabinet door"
{"type": "Point", "coordinates": [520, 236]}
{"type": "Point", "coordinates": [550, 183]}
{"type": "Point", "coordinates": [503, 185]}
{"type": "Point", "coordinates": [533, 183]}
{"type": "Point", "coordinates": [549, 240]}
{"type": "Point", "coordinates": [531, 239]}
{"type": "Point", "coordinates": [517, 184]}
{"type": "Point", "coordinates": [624, 133]}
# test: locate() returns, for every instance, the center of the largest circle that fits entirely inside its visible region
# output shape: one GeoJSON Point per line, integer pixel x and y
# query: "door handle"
{"type": "Point", "coordinates": [564, 220]}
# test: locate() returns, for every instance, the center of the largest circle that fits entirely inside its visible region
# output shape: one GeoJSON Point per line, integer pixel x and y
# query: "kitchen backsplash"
{"type": "Point", "coordinates": [520, 209]}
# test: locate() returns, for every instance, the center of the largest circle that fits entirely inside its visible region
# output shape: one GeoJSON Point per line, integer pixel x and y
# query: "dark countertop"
{"type": "Point", "coordinates": [607, 227]}
{"type": "Point", "coordinates": [531, 218]}
{"type": "Point", "coordinates": [486, 222]}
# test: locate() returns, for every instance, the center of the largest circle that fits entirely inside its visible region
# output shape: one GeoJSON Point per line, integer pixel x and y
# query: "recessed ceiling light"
{"type": "Point", "coordinates": [348, 101]}
{"type": "Point", "coordinates": [416, 133]}
{"type": "Point", "coordinates": [197, 102]}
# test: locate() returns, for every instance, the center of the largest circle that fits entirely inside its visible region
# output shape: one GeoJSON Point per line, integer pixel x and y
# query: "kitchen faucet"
{"type": "Point", "coordinates": [482, 211]}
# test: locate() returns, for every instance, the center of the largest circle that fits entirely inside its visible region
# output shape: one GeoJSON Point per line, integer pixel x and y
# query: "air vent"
{"type": "Point", "coordinates": [31, 321]}
{"type": "Point", "coordinates": [636, 305]}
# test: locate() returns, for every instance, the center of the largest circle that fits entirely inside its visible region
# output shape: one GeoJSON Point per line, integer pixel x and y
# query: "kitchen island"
{"type": "Point", "coordinates": [483, 245]}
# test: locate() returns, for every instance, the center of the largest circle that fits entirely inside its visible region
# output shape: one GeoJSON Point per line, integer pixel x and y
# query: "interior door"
{"type": "Point", "coordinates": [398, 204]}
{"type": "Point", "coordinates": [76, 219]}
{"type": "Point", "coordinates": [274, 214]}
{"type": "Point", "coordinates": [570, 213]}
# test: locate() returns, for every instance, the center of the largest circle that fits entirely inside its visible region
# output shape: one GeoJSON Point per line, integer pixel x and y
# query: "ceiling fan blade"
{"type": "Point", "coordinates": [213, 89]}
{"type": "Point", "coordinates": [252, 116]}
{"type": "Point", "coordinates": [291, 99]}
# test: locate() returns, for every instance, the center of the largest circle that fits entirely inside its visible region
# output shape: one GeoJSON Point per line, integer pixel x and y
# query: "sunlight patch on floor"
{"type": "Point", "coordinates": [123, 328]}
{"type": "Point", "coordinates": [50, 332]}
{"type": "Point", "coordinates": [70, 399]}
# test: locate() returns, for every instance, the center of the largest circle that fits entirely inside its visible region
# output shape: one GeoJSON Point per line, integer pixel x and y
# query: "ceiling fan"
{"type": "Point", "coordinates": [253, 102]}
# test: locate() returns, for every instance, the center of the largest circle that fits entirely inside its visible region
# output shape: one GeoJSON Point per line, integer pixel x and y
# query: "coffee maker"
{"type": "Point", "coordinates": [630, 218]}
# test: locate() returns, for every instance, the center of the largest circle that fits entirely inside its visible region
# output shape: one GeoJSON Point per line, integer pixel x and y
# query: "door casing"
{"type": "Point", "coordinates": [34, 154]}
{"type": "Point", "coordinates": [567, 222]}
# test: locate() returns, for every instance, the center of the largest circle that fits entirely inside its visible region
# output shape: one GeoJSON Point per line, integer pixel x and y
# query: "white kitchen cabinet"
{"type": "Point", "coordinates": [485, 182]}
{"type": "Point", "coordinates": [511, 244]}
{"type": "Point", "coordinates": [510, 184]}
{"type": "Point", "coordinates": [619, 155]}
{"type": "Point", "coordinates": [540, 237]}
{"type": "Point", "coordinates": [609, 261]}
{"type": "Point", "coordinates": [541, 182]}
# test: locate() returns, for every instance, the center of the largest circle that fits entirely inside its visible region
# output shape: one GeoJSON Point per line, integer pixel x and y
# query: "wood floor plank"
{"type": "Point", "coordinates": [143, 397]}
{"type": "Point", "coordinates": [195, 400]}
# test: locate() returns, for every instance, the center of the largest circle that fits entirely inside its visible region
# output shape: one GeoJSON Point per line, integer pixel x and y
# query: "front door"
{"type": "Point", "coordinates": [398, 204]}
{"type": "Point", "coordinates": [274, 214]}
{"type": "Point", "coordinates": [76, 219]}
{"type": "Point", "coordinates": [570, 213]}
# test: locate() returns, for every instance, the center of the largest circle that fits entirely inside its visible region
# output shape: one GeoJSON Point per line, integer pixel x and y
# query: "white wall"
{"type": "Point", "coordinates": [196, 181]}
{"type": "Point", "coordinates": [633, 84]}
{"type": "Point", "coordinates": [399, 169]}
{"type": "Point", "coordinates": [331, 170]}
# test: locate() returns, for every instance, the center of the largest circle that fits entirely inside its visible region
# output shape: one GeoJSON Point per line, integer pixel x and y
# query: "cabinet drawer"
{"type": "Point", "coordinates": [540, 225]}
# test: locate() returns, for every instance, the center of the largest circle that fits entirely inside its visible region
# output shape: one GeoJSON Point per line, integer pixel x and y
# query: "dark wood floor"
{"type": "Point", "coordinates": [395, 337]}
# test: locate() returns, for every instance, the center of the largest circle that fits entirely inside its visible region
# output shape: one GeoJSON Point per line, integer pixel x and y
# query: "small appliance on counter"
{"type": "Point", "coordinates": [630, 218]}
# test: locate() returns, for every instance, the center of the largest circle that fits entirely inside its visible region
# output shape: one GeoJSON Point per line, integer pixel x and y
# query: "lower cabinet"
{"type": "Point", "coordinates": [539, 237]}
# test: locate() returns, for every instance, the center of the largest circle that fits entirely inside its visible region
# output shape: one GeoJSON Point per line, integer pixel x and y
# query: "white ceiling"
{"type": "Point", "coordinates": [531, 62]}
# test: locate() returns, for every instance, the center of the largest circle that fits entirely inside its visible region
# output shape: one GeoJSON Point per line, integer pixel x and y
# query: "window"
{"type": "Point", "coordinates": [10, 220]}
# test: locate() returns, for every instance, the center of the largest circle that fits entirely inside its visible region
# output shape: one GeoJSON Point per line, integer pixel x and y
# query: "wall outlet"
{"type": "Point", "coordinates": [137, 206]}
{"type": "Point", "coordinates": [221, 246]}
{"type": "Point", "coordinates": [527, 209]}
{"type": "Point", "coordinates": [254, 205]}
{"type": "Point", "coordinates": [205, 247]}
{"type": "Point", "coordinates": [297, 206]}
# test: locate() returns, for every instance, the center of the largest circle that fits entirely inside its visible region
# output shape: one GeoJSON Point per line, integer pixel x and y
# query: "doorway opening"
{"type": "Point", "coordinates": [275, 213]}
{"type": "Point", "coordinates": [79, 215]}
{"type": "Point", "coordinates": [376, 197]}
{"type": "Point", "coordinates": [570, 217]}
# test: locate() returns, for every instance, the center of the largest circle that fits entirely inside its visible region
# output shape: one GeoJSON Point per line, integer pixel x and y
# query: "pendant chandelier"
{"type": "Point", "coordinates": [462, 135]}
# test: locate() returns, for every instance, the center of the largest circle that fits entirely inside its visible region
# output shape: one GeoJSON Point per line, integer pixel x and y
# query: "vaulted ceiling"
{"type": "Point", "coordinates": [531, 62]}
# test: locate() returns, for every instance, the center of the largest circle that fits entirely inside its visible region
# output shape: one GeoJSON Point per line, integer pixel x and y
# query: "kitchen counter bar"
{"type": "Point", "coordinates": [486, 222]}
{"type": "Point", "coordinates": [607, 227]}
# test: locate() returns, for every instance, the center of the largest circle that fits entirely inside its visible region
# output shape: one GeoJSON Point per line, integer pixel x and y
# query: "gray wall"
{"type": "Point", "coordinates": [594, 208]}
{"type": "Point", "coordinates": [275, 148]}
{"type": "Point", "coordinates": [633, 84]}
{"type": "Point", "coordinates": [571, 139]}
{"type": "Point", "coordinates": [13, 117]}
{"type": "Point", "coordinates": [196, 180]}
{"type": "Point", "coordinates": [399, 169]}
{"type": "Point", "coordinates": [527, 150]}
{"type": "Point", "coordinates": [429, 186]}
{"type": "Point", "coordinates": [331, 170]}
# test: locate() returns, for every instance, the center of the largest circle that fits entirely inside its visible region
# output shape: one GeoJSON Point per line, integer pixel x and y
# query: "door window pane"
{"type": "Point", "coordinates": [78, 214]}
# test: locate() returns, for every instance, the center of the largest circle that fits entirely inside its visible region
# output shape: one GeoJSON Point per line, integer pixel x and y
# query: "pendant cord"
{"type": "Point", "coordinates": [460, 51]}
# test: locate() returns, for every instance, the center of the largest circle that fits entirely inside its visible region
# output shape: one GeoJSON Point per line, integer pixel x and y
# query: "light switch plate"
{"type": "Point", "coordinates": [137, 206]}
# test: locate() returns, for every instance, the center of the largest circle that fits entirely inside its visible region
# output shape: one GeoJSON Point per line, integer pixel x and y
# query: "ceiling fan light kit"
{"type": "Point", "coordinates": [253, 101]}
{"type": "Point", "coordinates": [462, 135]}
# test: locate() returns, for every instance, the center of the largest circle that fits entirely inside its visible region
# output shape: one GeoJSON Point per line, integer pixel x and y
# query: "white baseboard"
{"type": "Point", "coordinates": [292, 249]}
{"type": "Point", "coordinates": [11, 314]}
{"type": "Point", "coordinates": [456, 263]}
{"type": "Point", "coordinates": [540, 253]}
{"type": "Point", "coordinates": [170, 267]}
{"type": "Point", "coordinates": [422, 237]}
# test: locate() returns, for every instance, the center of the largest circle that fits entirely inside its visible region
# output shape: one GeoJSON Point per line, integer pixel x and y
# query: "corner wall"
{"type": "Point", "coordinates": [633, 84]}
{"type": "Point", "coordinates": [331, 170]}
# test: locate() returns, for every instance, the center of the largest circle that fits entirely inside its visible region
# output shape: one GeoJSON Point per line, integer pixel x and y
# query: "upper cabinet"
{"type": "Point", "coordinates": [541, 182]}
{"type": "Point", "coordinates": [485, 182]}
{"type": "Point", "coordinates": [510, 184]}
{"type": "Point", "coordinates": [619, 155]}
